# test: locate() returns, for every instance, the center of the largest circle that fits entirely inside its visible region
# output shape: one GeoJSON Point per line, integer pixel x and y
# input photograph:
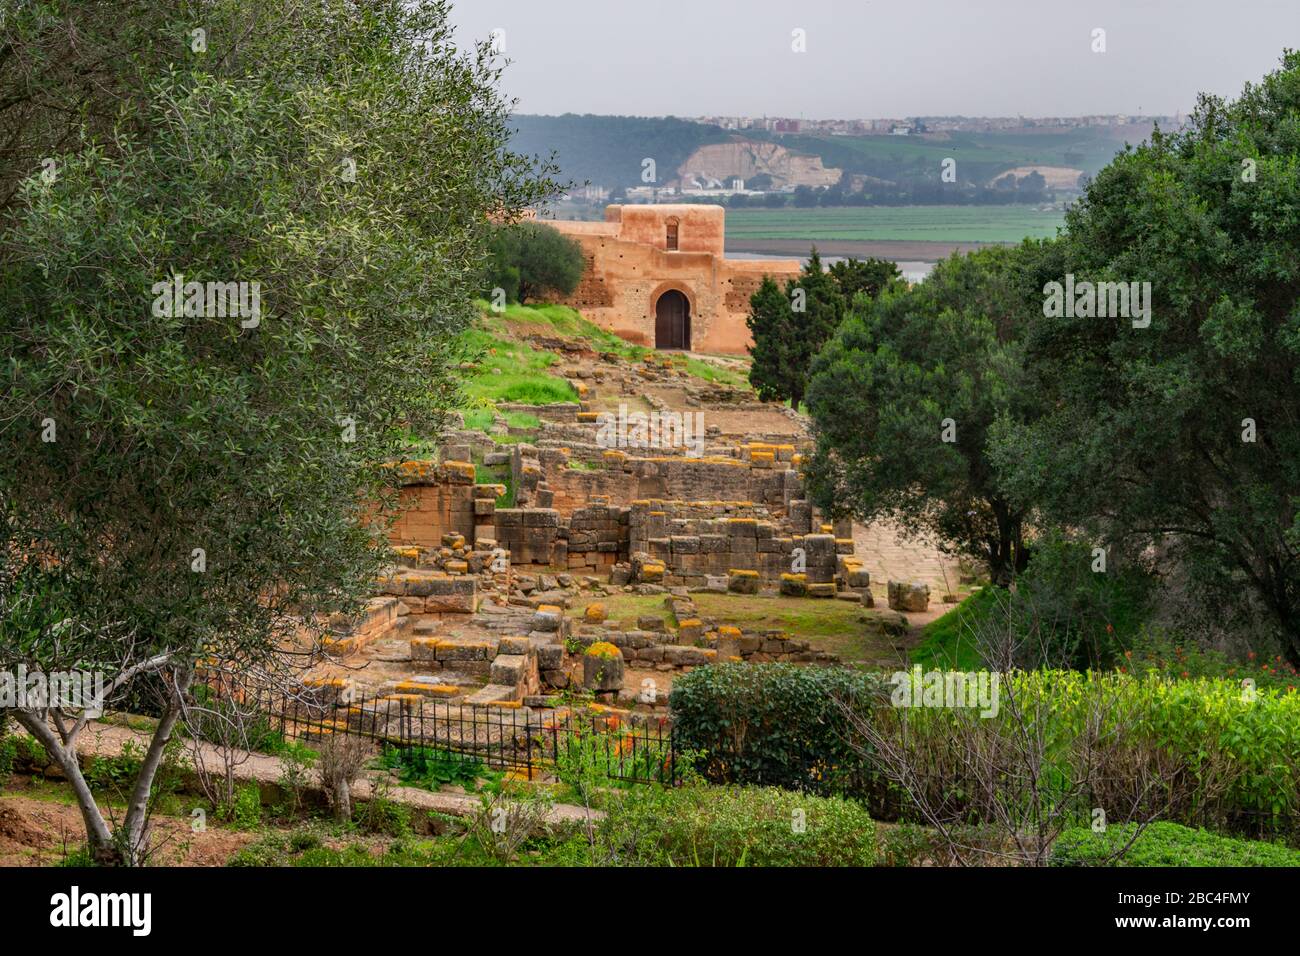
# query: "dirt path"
{"type": "Point", "coordinates": [888, 556]}
{"type": "Point", "coordinates": [106, 740]}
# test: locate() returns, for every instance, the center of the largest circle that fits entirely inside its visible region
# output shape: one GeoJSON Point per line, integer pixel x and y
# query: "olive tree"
{"type": "Point", "coordinates": [221, 312]}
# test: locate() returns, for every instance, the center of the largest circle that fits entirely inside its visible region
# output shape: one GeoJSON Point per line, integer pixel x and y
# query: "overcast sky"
{"type": "Point", "coordinates": [868, 58]}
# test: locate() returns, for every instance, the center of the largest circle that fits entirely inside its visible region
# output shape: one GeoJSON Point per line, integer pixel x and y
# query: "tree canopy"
{"type": "Point", "coordinates": [790, 327]}
{"type": "Point", "coordinates": [1184, 434]}
{"type": "Point", "coordinates": [904, 395]}
{"type": "Point", "coordinates": [531, 260]}
{"type": "Point", "coordinates": [222, 311]}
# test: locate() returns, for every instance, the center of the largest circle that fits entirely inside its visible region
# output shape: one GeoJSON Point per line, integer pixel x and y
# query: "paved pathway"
{"type": "Point", "coordinates": [888, 556]}
{"type": "Point", "coordinates": [106, 740]}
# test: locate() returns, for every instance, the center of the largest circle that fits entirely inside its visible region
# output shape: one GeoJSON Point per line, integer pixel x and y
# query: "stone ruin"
{"type": "Point", "coordinates": [473, 610]}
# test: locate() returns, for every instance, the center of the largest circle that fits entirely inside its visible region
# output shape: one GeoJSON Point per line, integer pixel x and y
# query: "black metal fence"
{"type": "Point", "coordinates": [538, 742]}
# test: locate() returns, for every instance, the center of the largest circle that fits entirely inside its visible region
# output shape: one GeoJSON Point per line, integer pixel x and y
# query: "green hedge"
{"type": "Point", "coordinates": [1166, 844]}
{"type": "Point", "coordinates": [1237, 760]}
{"type": "Point", "coordinates": [770, 724]}
{"type": "Point", "coordinates": [700, 825]}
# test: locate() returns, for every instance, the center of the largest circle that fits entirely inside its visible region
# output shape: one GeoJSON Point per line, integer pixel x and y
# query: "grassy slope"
{"type": "Point", "coordinates": [840, 627]}
{"type": "Point", "coordinates": [569, 323]}
{"type": "Point", "coordinates": [945, 643]}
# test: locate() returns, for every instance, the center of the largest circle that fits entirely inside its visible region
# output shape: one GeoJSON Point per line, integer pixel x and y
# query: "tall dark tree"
{"type": "Point", "coordinates": [774, 353]}
{"type": "Point", "coordinates": [1184, 432]}
{"type": "Point", "coordinates": [788, 329]}
{"type": "Point", "coordinates": [903, 397]}
{"type": "Point", "coordinates": [871, 277]}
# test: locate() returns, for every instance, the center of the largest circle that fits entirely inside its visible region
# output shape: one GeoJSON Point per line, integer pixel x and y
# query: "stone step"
{"type": "Point", "coordinates": [427, 688]}
{"type": "Point", "coordinates": [491, 694]}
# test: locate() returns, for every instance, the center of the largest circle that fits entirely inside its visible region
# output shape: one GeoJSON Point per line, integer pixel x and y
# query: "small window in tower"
{"type": "Point", "coordinates": [672, 235]}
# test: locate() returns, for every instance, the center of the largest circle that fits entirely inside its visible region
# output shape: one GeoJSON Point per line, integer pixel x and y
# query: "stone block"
{"type": "Point", "coordinates": [547, 617]}
{"type": "Point", "coordinates": [741, 581]}
{"type": "Point", "coordinates": [913, 597]}
{"type": "Point", "coordinates": [508, 669]}
{"type": "Point", "coordinates": [794, 585]}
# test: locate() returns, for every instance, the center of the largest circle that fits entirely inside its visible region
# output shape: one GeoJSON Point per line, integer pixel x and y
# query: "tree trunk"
{"type": "Point", "coordinates": [100, 839]}
{"type": "Point", "coordinates": [1290, 626]}
{"type": "Point", "coordinates": [343, 798]}
{"type": "Point", "coordinates": [129, 846]}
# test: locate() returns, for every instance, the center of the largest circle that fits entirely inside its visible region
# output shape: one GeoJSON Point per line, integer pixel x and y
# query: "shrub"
{"type": "Point", "coordinates": [1158, 651]}
{"type": "Point", "coordinates": [1221, 757]}
{"type": "Point", "coordinates": [771, 724]}
{"type": "Point", "coordinates": [531, 259]}
{"type": "Point", "coordinates": [1165, 844]}
{"type": "Point", "coordinates": [245, 813]}
{"type": "Point", "coordinates": [700, 825]}
{"type": "Point", "coordinates": [433, 769]}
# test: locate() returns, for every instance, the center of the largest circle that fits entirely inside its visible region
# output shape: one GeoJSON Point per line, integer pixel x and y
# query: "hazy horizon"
{"type": "Point", "coordinates": [874, 60]}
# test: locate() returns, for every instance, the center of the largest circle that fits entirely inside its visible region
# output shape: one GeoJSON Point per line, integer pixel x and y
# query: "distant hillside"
{"type": "Point", "coordinates": [609, 150]}
{"type": "Point", "coordinates": [981, 157]}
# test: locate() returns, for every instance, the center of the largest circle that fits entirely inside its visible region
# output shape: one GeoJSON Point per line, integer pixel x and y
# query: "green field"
{"type": "Point", "coordinates": [985, 154]}
{"type": "Point", "coordinates": [883, 223]}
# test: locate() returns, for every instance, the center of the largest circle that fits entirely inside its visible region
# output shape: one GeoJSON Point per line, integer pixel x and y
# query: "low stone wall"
{"type": "Point", "coordinates": [437, 499]}
{"type": "Point", "coordinates": [528, 534]}
{"type": "Point", "coordinates": [431, 592]}
{"type": "Point", "coordinates": [595, 539]}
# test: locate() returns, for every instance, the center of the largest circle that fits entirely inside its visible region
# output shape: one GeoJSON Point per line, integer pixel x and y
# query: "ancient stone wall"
{"type": "Point", "coordinates": [528, 534]}
{"type": "Point", "coordinates": [629, 266]}
{"type": "Point", "coordinates": [439, 499]}
{"type": "Point", "coordinates": [623, 478]}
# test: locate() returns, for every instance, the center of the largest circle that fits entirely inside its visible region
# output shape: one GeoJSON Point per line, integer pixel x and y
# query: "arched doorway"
{"type": "Point", "coordinates": [672, 321]}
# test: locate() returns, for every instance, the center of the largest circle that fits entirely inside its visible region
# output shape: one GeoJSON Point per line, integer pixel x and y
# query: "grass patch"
{"type": "Point", "coordinates": [716, 374]}
{"type": "Point", "coordinates": [1166, 844]}
{"type": "Point", "coordinates": [839, 627]}
{"type": "Point", "coordinates": [479, 419]}
{"type": "Point", "coordinates": [513, 372]}
{"type": "Point", "coordinates": [498, 475]}
{"type": "Point", "coordinates": [946, 643]}
{"type": "Point", "coordinates": [523, 420]}
{"type": "Point", "coordinates": [845, 628]}
{"type": "Point", "coordinates": [562, 320]}
{"type": "Point", "coordinates": [624, 609]}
